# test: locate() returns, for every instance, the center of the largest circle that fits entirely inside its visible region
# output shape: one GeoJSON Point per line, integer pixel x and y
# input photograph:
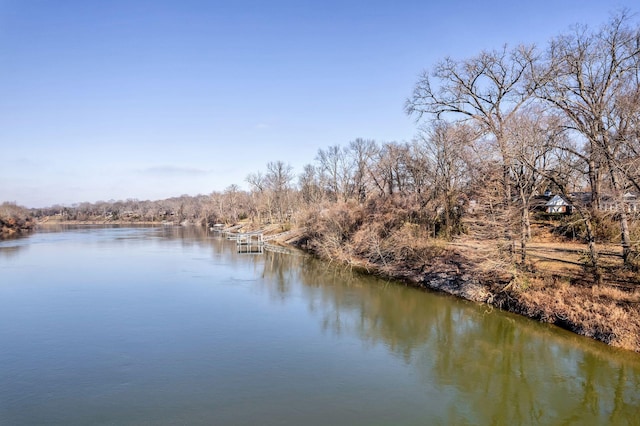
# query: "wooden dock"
{"type": "Point", "coordinates": [277, 236]}
{"type": "Point", "coordinates": [277, 249]}
{"type": "Point", "coordinates": [255, 242]}
{"type": "Point", "coordinates": [248, 248]}
{"type": "Point", "coordinates": [221, 229]}
{"type": "Point", "coordinates": [248, 242]}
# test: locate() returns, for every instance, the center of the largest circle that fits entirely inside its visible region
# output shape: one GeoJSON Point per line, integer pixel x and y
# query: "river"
{"type": "Point", "coordinates": [170, 325]}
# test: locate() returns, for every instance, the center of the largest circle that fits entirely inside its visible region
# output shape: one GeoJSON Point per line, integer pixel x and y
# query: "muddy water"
{"type": "Point", "coordinates": [165, 326]}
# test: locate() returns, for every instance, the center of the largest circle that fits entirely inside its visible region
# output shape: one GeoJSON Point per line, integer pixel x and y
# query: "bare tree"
{"type": "Point", "coordinates": [309, 185]}
{"type": "Point", "coordinates": [361, 153]}
{"type": "Point", "coordinates": [487, 90]}
{"type": "Point", "coordinates": [231, 197]}
{"type": "Point", "coordinates": [257, 184]}
{"type": "Point", "coordinates": [446, 169]}
{"type": "Point", "coordinates": [389, 172]}
{"type": "Point", "coordinates": [278, 181]}
{"type": "Point", "coordinates": [336, 171]}
{"type": "Point", "coordinates": [591, 69]}
{"type": "Point", "coordinates": [533, 135]}
{"type": "Point", "coordinates": [628, 136]}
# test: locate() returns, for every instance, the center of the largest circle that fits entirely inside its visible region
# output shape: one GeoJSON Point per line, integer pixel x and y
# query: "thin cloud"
{"type": "Point", "coordinates": [173, 171]}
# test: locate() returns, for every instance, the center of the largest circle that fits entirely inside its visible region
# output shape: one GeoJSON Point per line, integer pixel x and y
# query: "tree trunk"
{"type": "Point", "coordinates": [622, 212]}
{"type": "Point", "coordinates": [525, 225]}
{"type": "Point", "coordinates": [594, 182]}
{"type": "Point", "coordinates": [506, 181]}
{"type": "Point", "coordinates": [523, 237]}
{"type": "Point", "coordinates": [626, 246]}
{"type": "Point", "coordinates": [593, 251]}
{"type": "Point", "coordinates": [626, 238]}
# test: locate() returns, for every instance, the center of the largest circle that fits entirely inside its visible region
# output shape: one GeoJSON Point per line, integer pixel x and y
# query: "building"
{"type": "Point", "coordinates": [629, 201]}
{"type": "Point", "coordinates": [558, 205]}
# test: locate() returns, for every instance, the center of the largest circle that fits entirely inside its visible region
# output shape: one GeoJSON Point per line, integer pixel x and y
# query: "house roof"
{"type": "Point", "coordinates": [557, 200]}
{"type": "Point", "coordinates": [626, 197]}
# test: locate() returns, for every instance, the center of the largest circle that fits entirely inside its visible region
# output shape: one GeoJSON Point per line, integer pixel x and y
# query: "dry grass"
{"type": "Point", "coordinates": [602, 312]}
{"type": "Point", "coordinates": [557, 288]}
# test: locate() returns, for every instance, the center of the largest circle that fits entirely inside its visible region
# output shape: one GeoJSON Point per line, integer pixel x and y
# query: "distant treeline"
{"type": "Point", "coordinates": [176, 209]}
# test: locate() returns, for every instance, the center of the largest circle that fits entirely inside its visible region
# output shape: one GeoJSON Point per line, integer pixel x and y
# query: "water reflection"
{"type": "Point", "coordinates": [11, 246]}
{"type": "Point", "coordinates": [9, 251]}
{"type": "Point", "coordinates": [500, 368]}
{"type": "Point", "coordinates": [473, 365]}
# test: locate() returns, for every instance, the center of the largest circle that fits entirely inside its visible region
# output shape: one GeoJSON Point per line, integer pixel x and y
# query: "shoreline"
{"type": "Point", "coordinates": [583, 310]}
{"type": "Point", "coordinates": [96, 222]}
{"type": "Point", "coordinates": [12, 228]}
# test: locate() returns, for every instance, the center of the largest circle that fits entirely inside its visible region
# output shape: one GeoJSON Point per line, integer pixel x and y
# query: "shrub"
{"type": "Point", "coordinates": [381, 231]}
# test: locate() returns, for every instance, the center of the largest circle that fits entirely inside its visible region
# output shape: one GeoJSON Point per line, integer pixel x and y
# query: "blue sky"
{"type": "Point", "coordinates": [151, 99]}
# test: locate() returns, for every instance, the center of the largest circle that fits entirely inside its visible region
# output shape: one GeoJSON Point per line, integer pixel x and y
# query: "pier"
{"type": "Point", "coordinates": [254, 242]}
{"type": "Point", "coordinates": [248, 242]}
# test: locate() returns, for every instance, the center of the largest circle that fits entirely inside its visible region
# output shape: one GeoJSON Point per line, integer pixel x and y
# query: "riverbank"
{"type": "Point", "coordinates": [14, 220]}
{"type": "Point", "coordinates": [554, 287]}
{"type": "Point", "coordinates": [607, 312]}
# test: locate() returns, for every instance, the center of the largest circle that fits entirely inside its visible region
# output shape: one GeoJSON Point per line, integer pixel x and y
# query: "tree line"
{"type": "Point", "coordinates": [564, 117]}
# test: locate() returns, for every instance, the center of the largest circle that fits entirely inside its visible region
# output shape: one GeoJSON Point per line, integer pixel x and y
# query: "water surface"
{"type": "Point", "coordinates": [166, 326]}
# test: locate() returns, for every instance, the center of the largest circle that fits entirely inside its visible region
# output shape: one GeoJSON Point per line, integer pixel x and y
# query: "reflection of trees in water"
{"type": "Point", "coordinates": [189, 235]}
{"type": "Point", "coordinates": [10, 251]}
{"type": "Point", "coordinates": [526, 373]}
{"type": "Point", "coordinates": [493, 368]}
{"type": "Point", "coordinates": [502, 369]}
{"type": "Point", "coordinates": [281, 270]}
{"type": "Point", "coordinates": [499, 368]}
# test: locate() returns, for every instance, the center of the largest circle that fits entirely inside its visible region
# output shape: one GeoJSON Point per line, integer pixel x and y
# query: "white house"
{"type": "Point", "coordinates": [558, 205]}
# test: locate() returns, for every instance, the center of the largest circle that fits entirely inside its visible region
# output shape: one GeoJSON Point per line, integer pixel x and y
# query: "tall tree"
{"type": "Point", "coordinates": [309, 185]}
{"type": "Point", "coordinates": [533, 135]}
{"type": "Point", "coordinates": [258, 197]}
{"type": "Point", "coordinates": [278, 180]}
{"type": "Point", "coordinates": [336, 170]}
{"type": "Point", "coordinates": [445, 148]}
{"type": "Point", "coordinates": [585, 75]}
{"type": "Point", "coordinates": [487, 90]}
{"type": "Point", "coordinates": [361, 153]}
